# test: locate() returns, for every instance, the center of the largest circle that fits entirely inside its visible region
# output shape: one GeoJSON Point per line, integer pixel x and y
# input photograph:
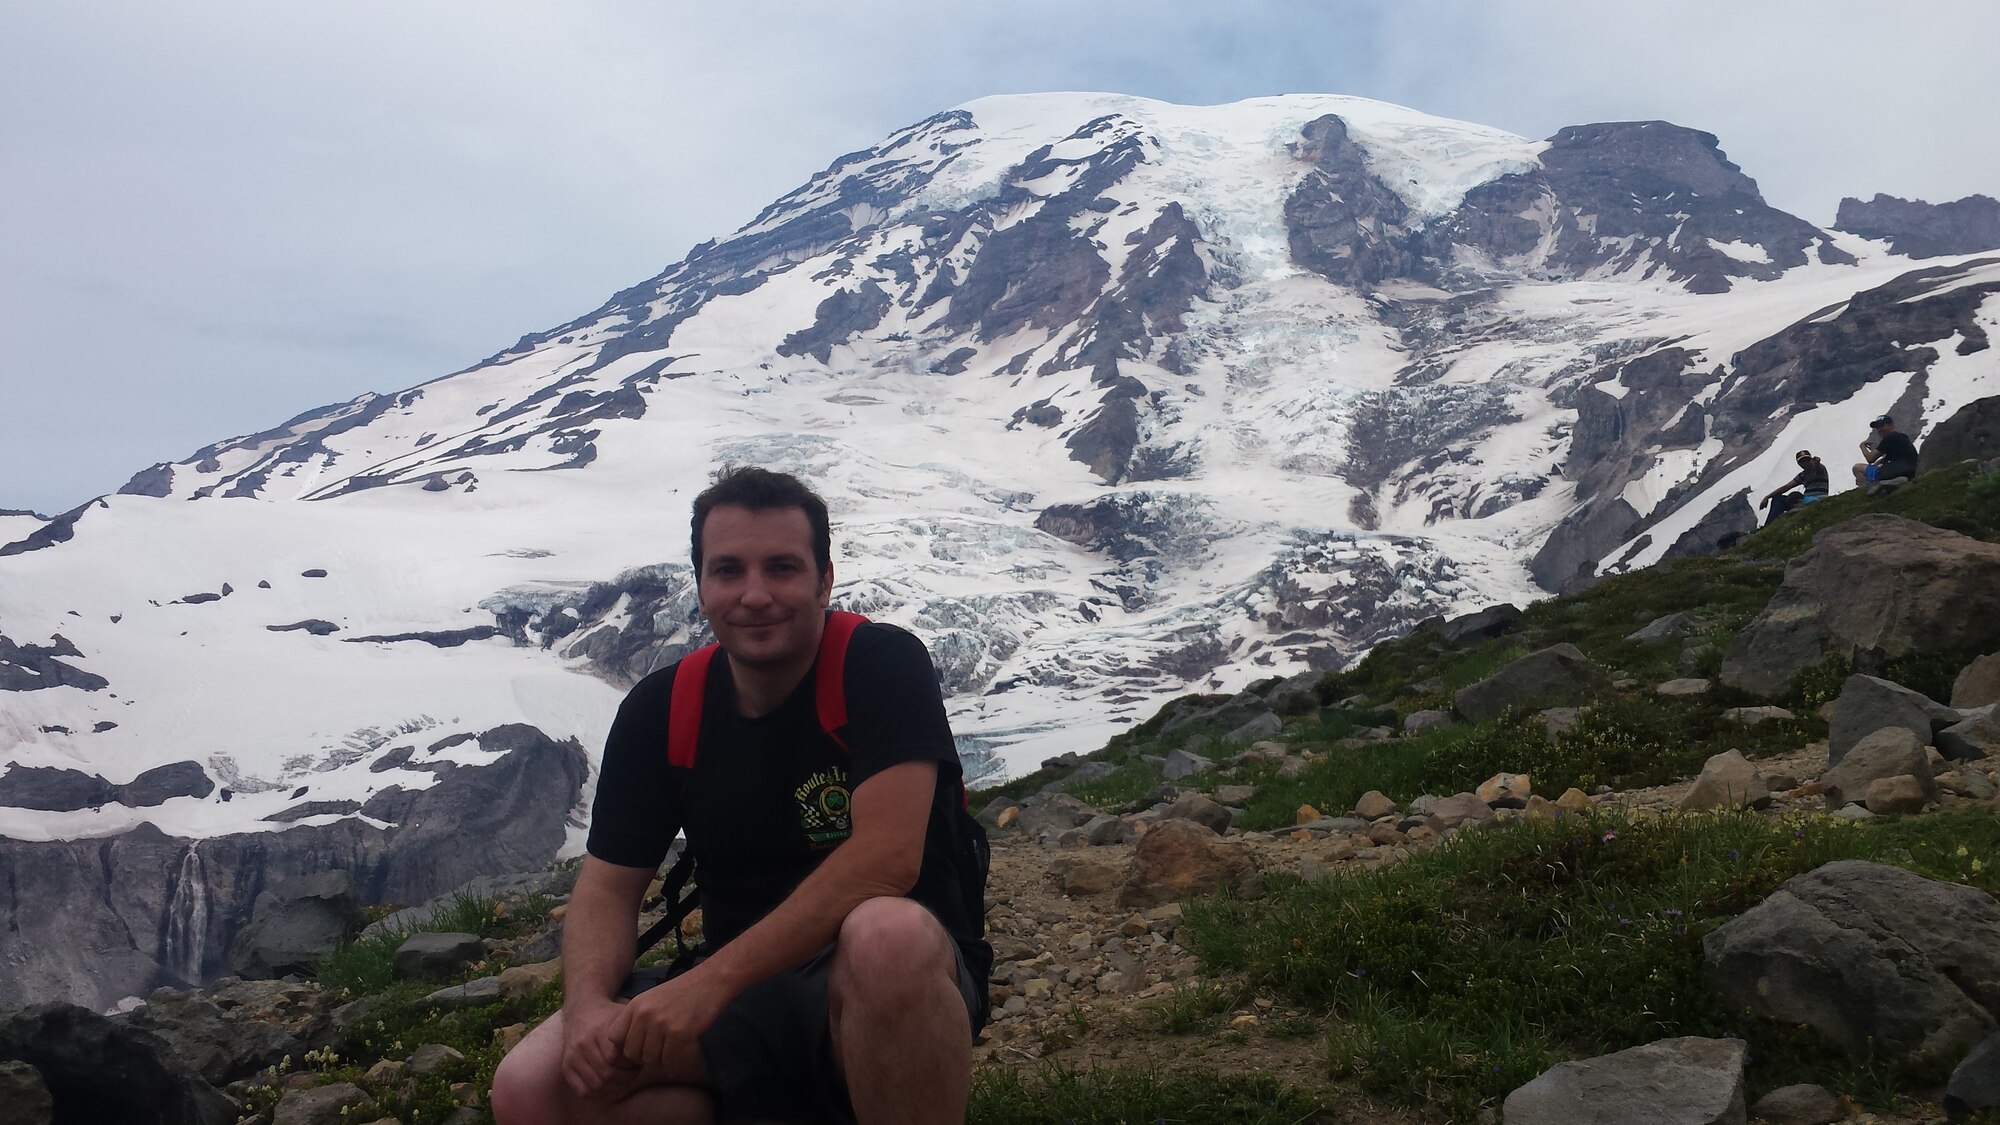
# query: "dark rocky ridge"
{"type": "Point", "coordinates": [35, 667]}
{"type": "Point", "coordinates": [99, 919]}
{"type": "Point", "coordinates": [1924, 230]}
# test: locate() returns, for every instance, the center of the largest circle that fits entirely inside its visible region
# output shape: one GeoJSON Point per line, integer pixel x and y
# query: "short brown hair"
{"type": "Point", "coordinates": [761, 490]}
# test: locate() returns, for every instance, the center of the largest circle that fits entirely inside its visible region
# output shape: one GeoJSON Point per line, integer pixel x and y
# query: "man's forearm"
{"type": "Point", "coordinates": [600, 940]}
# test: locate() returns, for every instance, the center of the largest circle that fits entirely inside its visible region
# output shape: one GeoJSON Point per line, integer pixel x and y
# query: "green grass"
{"type": "Point", "coordinates": [367, 966]}
{"type": "Point", "coordinates": [1464, 971]}
{"type": "Point", "coordinates": [1190, 1007]}
{"type": "Point", "coordinates": [1168, 1096]}
{"type": "Point", "coordinates": [1122, 786]}
{"type": "Point", "coordinates": [1951, 498]}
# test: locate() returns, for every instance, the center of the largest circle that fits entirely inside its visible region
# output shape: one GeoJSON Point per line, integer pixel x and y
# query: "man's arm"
{"type": "Point", "coordinates": [600, 937]}
{"type": "Point", "coordinates": [882, 857]}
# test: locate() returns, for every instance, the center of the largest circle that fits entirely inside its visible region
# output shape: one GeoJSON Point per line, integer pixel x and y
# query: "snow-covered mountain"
{"type": "Point", "coordinates": [1112, 399]}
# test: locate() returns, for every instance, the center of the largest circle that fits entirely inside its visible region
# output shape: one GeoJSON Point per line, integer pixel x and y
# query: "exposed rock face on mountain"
{"type": "Point", "coordinates": [1972, 434]}
{"type": "Point", "coordinates": [97, 920]}
{"type": "Point", "coordinates": [1646, 195]}
{"type": "Point", "coordinates": [1924, 230]}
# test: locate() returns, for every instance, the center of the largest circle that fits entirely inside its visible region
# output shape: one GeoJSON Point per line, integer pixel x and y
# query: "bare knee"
{"type": "Point", "coordinates": [890, 948]}
{"type": "Point", "coordinates": [527, 1086]}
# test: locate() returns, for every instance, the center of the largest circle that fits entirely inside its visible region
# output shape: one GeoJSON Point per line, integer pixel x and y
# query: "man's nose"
{"type": "Point", "coordinates": [756, 591]}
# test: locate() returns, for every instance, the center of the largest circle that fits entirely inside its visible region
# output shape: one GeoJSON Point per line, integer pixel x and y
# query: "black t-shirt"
{"type": "Point", "coordinates": [1899, 456]}
{"type": "Point", "coordinates": [768, 797]}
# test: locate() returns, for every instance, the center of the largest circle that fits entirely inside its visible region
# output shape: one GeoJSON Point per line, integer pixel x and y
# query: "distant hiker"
{"type": "Point", "coordinates": [843, 971]}
{"type": "Point", "coordinates": [1889, 456]}
{"type": "Point", "coordinates": [1812, 481]}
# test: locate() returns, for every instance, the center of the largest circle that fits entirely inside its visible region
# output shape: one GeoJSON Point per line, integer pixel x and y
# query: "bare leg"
{"type": "Point", "coordinates": [899, 1023]}
{"type": "Point", "coordinates": [1860, 475]}
{"type": "Point", "coordinates": [529, 1089]}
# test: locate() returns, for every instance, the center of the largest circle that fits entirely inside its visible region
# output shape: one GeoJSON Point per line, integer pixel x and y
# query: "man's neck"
{"type": "Point", "coordinates": [760, 691]}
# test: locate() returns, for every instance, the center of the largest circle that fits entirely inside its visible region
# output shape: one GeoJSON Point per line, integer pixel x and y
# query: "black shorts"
{"type": "Point", "coordinates": [770, 1053]}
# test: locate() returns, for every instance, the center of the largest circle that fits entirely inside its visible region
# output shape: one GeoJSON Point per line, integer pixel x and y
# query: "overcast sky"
{"type": "Point", "coordinates": [214, 216]}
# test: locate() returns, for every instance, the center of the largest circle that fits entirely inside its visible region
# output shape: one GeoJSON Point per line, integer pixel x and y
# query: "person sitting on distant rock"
{"type": "Point", "coordinates": [843, 972]}
{"type": "Point", "coordinates": [1889, 455]}
{"type": "Point", "coordinates": [1812, 480]}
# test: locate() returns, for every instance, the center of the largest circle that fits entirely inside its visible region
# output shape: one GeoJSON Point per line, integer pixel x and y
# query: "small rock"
{"type": "Point", "coordinates": [1559, 721]}
{"type": "Point", "coordinates": [1728, 781]}
{"type": "Point", "coordinates": [1306, 814]}
{"type": "Point", "coordinates": [1673, 689]}
{"type": "Point", "coordinates": [1200, 809]}
{"type": "Point", "coordinates": [1386, 835]}
{"type": "Point", "coordinates": [1087, 877]}
{"type": "Point", "coordinates": [319, 1105]}
{"type": "Point", "coordinates": [1135, 926]}
{"type": "Point", "coordinates": [1312, 870]}
{"type": "Point", "coordinates": [1373, 805]}
{"type": "Point", "coordinates": [1007, 817]}
{"type": "Point", "coordinates": [1974, 737]}
{"type": "Point", "coordinates": [1670, 627]}
{"type": "Point", "coordinates": [1182, 764]}
{"type": "Point", "coordinates": [1244, 1022]}
{"type": "Point", "coordinates": [428, 956]}
{"type": "Point", "coordinates": [1969, 783]}
{"type": "Point", "coordinates": [1505, 787]}
{"type": "Point", "coordinates": [1291, 768]}
{"type": "Point", "coordinates": [1751, 716]}
{"type": "Point", "coordinates": [471, 994]}
{"type": "Point", "coordinates": [1573, 800]}
{"type": "Point", "coordinates": [1686, 1081]}
{"type": "Point", "coordinates": [1852, 812]}
{"type": "Point", "coordinates": [1889, 752]}
{"type": "Point", "coordinates": [1036, 989]}
{"type": "Point", "coordinates": [526, 980]}
{"type": "Point", "coordinates": [1235, 794]}
{"type": "Point", "coordinates": [1804, 1104]}
{"type": "Point", "coordinates": [433, 1057]}
{"type": "Point", "coordinates": [1464, 808]}
{"type": "Point", "coordinates": [24, 1097]}
{"type": "Point", "coordinates": [1106, 830]}
{"type": "Point", "coordinates": [1900, 794]}
{"type": "Point", "coordinates": [1420, 721]}
{"type": "Point", "coordinates": [387, 1072]}
{"type": "Point", "coordinates": [509, 1037]}
{"type": "Point", "coordinates": [1978, 684]}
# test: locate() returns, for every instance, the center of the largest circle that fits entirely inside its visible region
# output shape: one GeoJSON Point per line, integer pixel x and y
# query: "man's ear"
{"type": "Point", "coordinates": [826, 586]}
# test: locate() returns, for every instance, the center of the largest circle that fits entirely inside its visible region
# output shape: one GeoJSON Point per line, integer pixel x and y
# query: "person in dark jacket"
{"type": "Point", "coordinates": [1811, 481]}
{"type": "Point", "coordinates": [1890, 455]}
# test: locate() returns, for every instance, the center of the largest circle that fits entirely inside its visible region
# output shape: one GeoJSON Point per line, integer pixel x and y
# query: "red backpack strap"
{"type": "Point", "coordinates": [830, 677]}
{"type": "Point", "coordinates": [684, 709]}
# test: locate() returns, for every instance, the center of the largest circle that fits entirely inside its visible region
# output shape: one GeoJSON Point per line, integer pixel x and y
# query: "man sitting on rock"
{"type": "Point", "coordinates": [1812, 480]}
{"type": "Point", "coordinates": [844, 972]}
{"type": "Point", "coordinates": [1891, 457]}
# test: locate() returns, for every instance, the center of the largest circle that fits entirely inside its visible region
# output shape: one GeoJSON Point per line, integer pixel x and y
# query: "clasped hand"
{"type": "Point", "coordinates": [612, 1045]}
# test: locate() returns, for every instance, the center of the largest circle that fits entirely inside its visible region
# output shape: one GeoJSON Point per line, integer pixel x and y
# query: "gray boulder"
{"type": "Point", "coordinates": [97, 1069]}
{"type": "Point", "coordinates": [1493, 621]}
{"type": "Point", "coordinates": [1751, 716]}
{"type": "Point", "coordinates": [296, 923]}
{"type": "Point", "coordinates": [1558, 676]}
{"type": "Point", "coordinates": [1975, 1083]}
{"type": "Point", "coordinates": [216, 1044]}
{"type": "Point", "coordinates": [1104, 830]}
{"type": "Point", "coordinates": [1873, 957]}
{"type": "Point", "coordinates": [1687, 1081]}
{"type": "Point", "coordinates": [1978, 683]}
{"type": "Point", "coordinates": [1878, 587]}
{"type": "Point", "coordinates": [1420, 721]}
{"type": "Point", "coordinates": [1082, 775]}
{"type": "Point", "coordinates": [1868, 704]}
{"type": "Point", "coordinates": [1182, 764]}
{"type": "Point", "coordinates": [1662, 629]}
{"type": "Point", "coordinates": [436, 956]}
{"type": "Point", "coordinates": [1728, 781]}
{"type": "Point", "coordinates": [1803, 1104]}
{"type": "Point", "coordinates": [471, 994]}
{"type": "Point", "coordinates": [513, 885]}
{"type": "Point", "coordinates": [163, 783]}
{"type": "Point", "coordinates": [1889, 752]}
{"type": "Point", "coordinates": [1976, 736]}
{"type": "Point", "coordinates": [1056, 813]}
{"type": "Point", "coordinates": [1263, 726]}
{"type": "Point", "coordinates": [1201, 810]}
{"type": "Point", "coordinates": [1451, 812]}
{"type": "Point", "coordinates": [990, 815]}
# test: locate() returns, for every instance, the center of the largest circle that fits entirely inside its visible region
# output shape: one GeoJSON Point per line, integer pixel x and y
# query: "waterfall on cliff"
{"type": "Point", "coordinates": [187, 916]}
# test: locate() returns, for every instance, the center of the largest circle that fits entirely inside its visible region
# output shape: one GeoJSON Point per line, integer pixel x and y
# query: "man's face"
{"type": "Point", "coordinates": [759, 588]}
